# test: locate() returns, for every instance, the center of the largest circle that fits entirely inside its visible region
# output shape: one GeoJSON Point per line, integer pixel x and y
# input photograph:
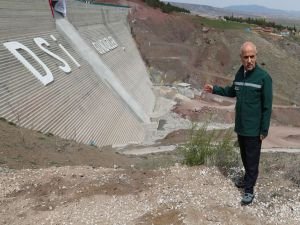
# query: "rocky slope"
{"type": "Point", "coordinates": [196, 50]}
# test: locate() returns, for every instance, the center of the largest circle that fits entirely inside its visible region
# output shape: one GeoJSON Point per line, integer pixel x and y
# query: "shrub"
{"type": "Point", "coordinates": [49, 134]}
{"type": "Point", "coordinates": [211, 148]}
{"type": "Point", "coordinates": [293, 174]}
{"type": "Point", "coordinates": [12, 123]}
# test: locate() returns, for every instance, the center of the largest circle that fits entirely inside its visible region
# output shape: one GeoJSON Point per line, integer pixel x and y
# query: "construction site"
{"type": "Point", "coordinates": [96, 99]}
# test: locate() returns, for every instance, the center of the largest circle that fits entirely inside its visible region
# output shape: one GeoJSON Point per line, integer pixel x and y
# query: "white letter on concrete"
{"type": "Point", "coordinates": [68, 54]}
{"type": "Point", "coordinates": [107, 44]}
{"type": "Point", "coordinates": [106, 49]}
{"type": "Point", "coordinates": [40, 41]}
{"type": "Point", "coordinates": [13, 46]}
{"type": "Point", "coordinates": [112, 42]}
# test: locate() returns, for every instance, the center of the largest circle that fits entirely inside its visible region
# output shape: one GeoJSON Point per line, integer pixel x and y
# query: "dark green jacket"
{"type": "Point", "coordinates": [253, 92]}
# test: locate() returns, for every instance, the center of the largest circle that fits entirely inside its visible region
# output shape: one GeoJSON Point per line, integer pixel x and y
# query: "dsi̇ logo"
{"type": "Point", "coordinates": [14, 47]}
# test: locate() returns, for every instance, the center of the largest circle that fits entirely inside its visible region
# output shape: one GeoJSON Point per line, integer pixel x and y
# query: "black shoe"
{"type": "Point", "coordinates": [247, 199]}
{"type": "Point", "coordinates": [239, 183]}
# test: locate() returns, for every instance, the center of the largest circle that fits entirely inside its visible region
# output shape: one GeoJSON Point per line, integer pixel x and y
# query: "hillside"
{"type": "Point", "coordinates": [264, 11]}
{"type": "Point", "coordinates": [286, 18]}
{"type": "Point", "coordinates": [196, 50]}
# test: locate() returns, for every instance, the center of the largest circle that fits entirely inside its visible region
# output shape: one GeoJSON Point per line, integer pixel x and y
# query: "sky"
{"type": "Point", "coordinates": [274, 4]}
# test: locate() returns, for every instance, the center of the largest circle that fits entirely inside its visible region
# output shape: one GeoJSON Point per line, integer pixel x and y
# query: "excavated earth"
{"type": "Point", "coordinates": [48, 180]}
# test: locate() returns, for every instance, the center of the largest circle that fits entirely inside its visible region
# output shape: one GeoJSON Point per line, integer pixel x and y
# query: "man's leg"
{"type": "Point", "coordinates": [252, 149]}
{"type": "Point", "coordinates": [240, 181]}
{"type": "Point", "coordinates": [241, 140]}
{"type": "Point", "coordinates": [252, 156]}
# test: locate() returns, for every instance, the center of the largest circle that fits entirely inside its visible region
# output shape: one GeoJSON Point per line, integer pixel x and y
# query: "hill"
{"type": "Point", "coordinates": [286, 18]}
{"type": "Point", "coordinates": [195, 49]}
{"type": "Point", "coordinates": [264, 11]}
{"type": "Point", "coordinates": [240, 10]}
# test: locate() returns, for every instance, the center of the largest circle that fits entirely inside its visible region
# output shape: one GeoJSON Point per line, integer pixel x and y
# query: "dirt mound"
{"type": "Point", "coordinates": [282, 136]}
{"type": "Point", "coordinates": [22, 148]}
{"type": "Point", "coordinates": [293, 138]}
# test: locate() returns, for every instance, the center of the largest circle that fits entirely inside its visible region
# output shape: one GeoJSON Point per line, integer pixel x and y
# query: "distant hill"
{"type": "Point", "coordinates": [240, 10]}
{"type": "Point", "coordinates": [263, 11]}
{"type": "Point", "coordinates": [204, 10]}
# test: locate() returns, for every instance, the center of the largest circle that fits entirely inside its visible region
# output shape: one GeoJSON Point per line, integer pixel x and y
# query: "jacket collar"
{"type": "Point", "coordinates": [248, 73]}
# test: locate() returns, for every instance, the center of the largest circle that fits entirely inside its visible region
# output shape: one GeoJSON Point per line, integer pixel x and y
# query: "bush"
{"type": "Point", "coordinates": [293, 174]}
{"type": "Point", "coordinates": [211, 148]}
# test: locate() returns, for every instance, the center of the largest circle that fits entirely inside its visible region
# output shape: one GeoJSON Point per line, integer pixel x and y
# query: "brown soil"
{"type": "Point", "coordinates": [182, 48]}
{"type": "Point", "coordinates": [21, 148]}
{"type": "Point", "coordinates": [285, 126]}
{"type": "Point", "coordinates": [77, 186]}
{"type": "Point", "coordinates": [73, 179]}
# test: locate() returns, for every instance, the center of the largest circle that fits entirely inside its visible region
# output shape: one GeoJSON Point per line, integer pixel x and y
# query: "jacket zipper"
{"type": "Point", "coordinates": [242, 98]}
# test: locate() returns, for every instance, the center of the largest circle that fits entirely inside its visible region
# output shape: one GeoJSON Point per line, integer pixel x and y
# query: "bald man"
{"type": "Point", "coordinates": [252, 87]}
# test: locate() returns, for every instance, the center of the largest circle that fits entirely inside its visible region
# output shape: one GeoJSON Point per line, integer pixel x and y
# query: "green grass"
{"type": "Point", "coordinates": [53, 163]}
{"type": "Point", "coordinates": [18, 157]}
{"type": "Point", "coordinates": [296, 39]}
{"type": "Point", "coordinates": [159, 160]}
{"type": "Point", "coordinates": [211, 148]}
{"type": "Point", "coordinates": [33, 163]}
{"type": "Point", "coordinates": [220, 24]}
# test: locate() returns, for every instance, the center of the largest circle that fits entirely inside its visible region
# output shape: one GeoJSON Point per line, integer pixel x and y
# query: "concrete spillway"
{"type": "Point", "coordinates": [54, 81]}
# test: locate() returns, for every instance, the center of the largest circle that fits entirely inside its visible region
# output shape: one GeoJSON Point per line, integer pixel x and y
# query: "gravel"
{"type": "Point", "coordinates": [177, 195]}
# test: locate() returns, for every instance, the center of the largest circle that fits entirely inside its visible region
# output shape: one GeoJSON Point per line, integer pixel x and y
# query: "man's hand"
{"type": "Point", "coordinates": [208, 88]}
{"type": "Point", "coordinates": [262, 137]}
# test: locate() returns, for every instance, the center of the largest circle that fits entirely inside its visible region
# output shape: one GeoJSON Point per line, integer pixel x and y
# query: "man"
{"type": "Point", "coordinates": [252, 87]}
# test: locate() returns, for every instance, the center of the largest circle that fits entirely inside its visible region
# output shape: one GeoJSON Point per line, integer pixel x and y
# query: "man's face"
{"type": "Point", "coordinates": [248, 57]}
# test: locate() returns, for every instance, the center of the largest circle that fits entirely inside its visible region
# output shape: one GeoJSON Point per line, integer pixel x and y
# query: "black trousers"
{"type": "Point", "coordinates": [250, 148]}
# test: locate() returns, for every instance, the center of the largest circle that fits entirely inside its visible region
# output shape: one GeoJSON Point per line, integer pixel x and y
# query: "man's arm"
{"type": "Point", "coordinates": [227, 91]}
{"type": "Point", "coordinates": [267, 98]}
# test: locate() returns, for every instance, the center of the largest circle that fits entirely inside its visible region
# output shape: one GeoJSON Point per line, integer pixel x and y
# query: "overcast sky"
{"type": "Point", "coordinates": [275, 4]}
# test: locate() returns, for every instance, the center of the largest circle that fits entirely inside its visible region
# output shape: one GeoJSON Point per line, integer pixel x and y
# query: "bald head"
{"type": "Point", "coordinates": [248, 55]}
{"type": "Point", "coordinates": [248, 45]}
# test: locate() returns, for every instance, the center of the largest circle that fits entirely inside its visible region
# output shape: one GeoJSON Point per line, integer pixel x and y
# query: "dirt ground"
{"type": "Point", "coordinates": [48, 180]}
{"type": "Point", "coordinates": [285, 126]}
{"type": "Point", "coordinates": [174, 195]}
